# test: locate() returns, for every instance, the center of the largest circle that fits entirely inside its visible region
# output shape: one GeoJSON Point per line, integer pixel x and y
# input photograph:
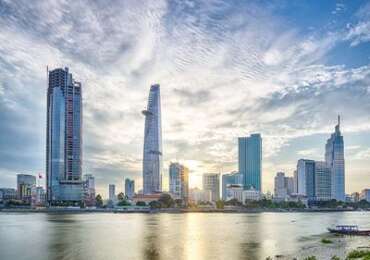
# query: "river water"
{"type": "Point", "coordinates": [175, 236]}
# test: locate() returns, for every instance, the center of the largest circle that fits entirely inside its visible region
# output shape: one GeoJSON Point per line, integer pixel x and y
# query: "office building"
{"type": "Point", "coordinates": [334, 158]}
{"type": "Point", "coordinates": [234, 191]}
{"type": "Point", "coordinates": [211, 182]}
{"type": "Point", "coordinates": [252, 194]}
{"type": "Point", "coordinates": [289, 184]}
{"type": "Point", "coordinates": [229, 179]}
{"type": "Point", "coordinates": [250, 161]}
{"type": "Point", "coordinates": [8, 194]}
{"type": "Point", "coordinates": [152, 157]}
{"type": "Point", "coordinates": [89, 189]}
{"type": "Point", "coordinates": [40, 197]}
{"type": "Point", "coordinates": [322, 181]}
{"type": "Point", "coordinates": [365, 195]}
{"type": "Point", "coordinates": [179, 181]}
{"type": "Point", "coordinates": [129, 188]}
{"type": "Point", "coordinates": [26, 185]}
{"type": "Point", "coordinates": [197, 195]}
{"type": "Point", "coordinates": [306, 178]}
{"type": "Point", "coordinates": [112, 192]}
{"type": "Point", "coordinates": [280, 188]}
{"type": "Point", "coordinates": [63, 138]}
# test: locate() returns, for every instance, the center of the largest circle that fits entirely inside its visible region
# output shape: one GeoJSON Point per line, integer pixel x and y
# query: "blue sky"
{"type": "Point", "coordinates": [226, 69]}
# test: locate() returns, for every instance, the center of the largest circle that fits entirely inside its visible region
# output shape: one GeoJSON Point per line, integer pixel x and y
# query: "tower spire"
{"type": "Point", "coordinates": [338, 120]}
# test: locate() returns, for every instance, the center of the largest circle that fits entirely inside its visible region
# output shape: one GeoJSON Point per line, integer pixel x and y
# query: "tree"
{"type": "Point", "coordinates": [123, 202]}
{"type": "Point", "coordinates": [120, 196]}
{"type": "Point", "coordinates": [141, 204]}
{"type": "Point", "coordinates": [155, 204]}
{"type": "Point", "coordinates": [220, 204]}
{"type": "Point", "coordinates": [99, 201]}
{"type": "Point", "coordinates": [178, 203]}
{"type": "Point", "coordinates": [166, 201]}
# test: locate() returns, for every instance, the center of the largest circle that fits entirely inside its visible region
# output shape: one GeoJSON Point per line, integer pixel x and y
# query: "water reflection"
{"type": "Point", "coordinates": [172, 236]}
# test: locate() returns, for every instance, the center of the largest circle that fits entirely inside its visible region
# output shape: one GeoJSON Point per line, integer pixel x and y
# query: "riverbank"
{"type": "Point", "coordinates": [167, 210]}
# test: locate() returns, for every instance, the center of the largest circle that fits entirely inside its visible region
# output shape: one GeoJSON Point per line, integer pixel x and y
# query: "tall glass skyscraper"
{"type": "Point", "coordinates": [250, 161]}
{"type": "Point", "coordinates": [334, 158]}
{"type": "Point", "coordinates": [152, 157]}
{"type": "Point", "coordinates": [64, 137]}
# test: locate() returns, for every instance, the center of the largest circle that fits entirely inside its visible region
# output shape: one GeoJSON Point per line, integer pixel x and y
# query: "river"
{"type": "Point", "coordinates": [175, 236]}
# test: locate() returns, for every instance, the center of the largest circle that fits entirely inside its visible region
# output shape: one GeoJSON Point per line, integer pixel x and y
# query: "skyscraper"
{"type": "Point", "coordinates": [152, 157]}
{"type": "Point", "coordinates": [322, 181]}
{"type": "Point", "coordinates": [112, 192]}
{"type": "Point", "coordinates": [179, 181]}
{"type": "Point", "coordinates": [129, 188]}
{"type": "Point", "coordinates": [211, 182]}
{"type": "Point", "coordinates": [230, 179]}
{"type": "Point", "coordinates": [306, 178]}
{"type": "Point", "coordinates": [334, 158]}
{"type": "Point", "coordinates": [250, 161]}
{"type": "Point", "coordinates": [280, 189]}
{"type": "Point", "coordinates": [63, 137]}
{"type": "Point", "coordinates": [89, 189]}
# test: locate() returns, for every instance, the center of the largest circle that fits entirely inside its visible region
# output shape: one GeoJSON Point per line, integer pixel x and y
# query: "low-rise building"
{"type": "Point", "coordinates": [355, 197]}
{"type": "Point", "coordinates": [197, 195]}
{"type": "Point", "coordinates": [251, 194]}
{"type": "Point", "coordinates": [25, 186]}
{"type": "Point", "coordinates": [234, 191]}
{"type": "Point", "coordinates": [7, 194]}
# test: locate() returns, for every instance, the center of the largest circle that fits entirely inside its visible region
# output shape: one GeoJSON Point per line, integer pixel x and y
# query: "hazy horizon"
{"type": "Point", "coordinates": [226, 69]}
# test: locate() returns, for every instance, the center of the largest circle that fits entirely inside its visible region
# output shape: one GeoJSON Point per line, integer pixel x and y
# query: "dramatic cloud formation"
{"type": "Point", "coordinates": [226, 69]}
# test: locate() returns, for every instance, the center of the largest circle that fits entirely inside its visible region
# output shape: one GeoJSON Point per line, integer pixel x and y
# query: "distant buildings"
{"type": "Point", "coordinates": [26, 185]}
{"type": "Point", "coordinates": [7, 194]}
{"type": "Point", "coordinates": [89, 189]}
{"type": "Point", "coordinates": [250, 160]}
{"type": "Point", "coordinates": [179, 181]}
{"type": "Point", "coordinates": [280, 189]}
{"type": "Point", "coordinates": [322, 181]}
{"type": "Point", "coordinates": [334, 158]}
{"type": "Point", "coordinates": [251, 194]}
{"type": "Point", "coordinates": [64, 138]}
{"type": "Point", "coordinates": [197, 195]}
{"type": "Point", "coordinates": [129, 188]}
{"type": "Point", "coordinates": [230, 179]}
{"type": "Point", "coordinates": [112, 192]}
{"type": "Point", "coordinates": [234, 191]}
{"type": "Point", "coordinates": [152, 158]}
{"type": "Point", "coordinates": [40, 197]}
{"type": "Point", "coordinates": [211, 182]}
{"type": "Point", "coordinates": [365, 195]}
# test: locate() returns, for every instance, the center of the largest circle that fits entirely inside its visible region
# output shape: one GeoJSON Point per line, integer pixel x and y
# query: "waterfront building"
{"type": "Point", "coordinates": [40, 197]}
{"type": "Point", "coordinates": [365, 195]}
{"type": "Point", "coordinates": [250, 160]}
{"type": "Point", "coordinates": [197, 195]}
{"type": "Point", "coordinates": [228, 179]}
{"type": "Point", "coordinates": [129, 188]}
{"type": "Point", "coordinates": [251, 194]}
{"type": "Point", "coordinates": [289, 184]}
{"type": "Point", "coordinates": [355, 197]}
{"type": "Point", "coordinates": [322, 181]}
{"type": "Point", "coordinates": [26, 185]}
{"type": "Point", "coordinates": [306, 178]}
{"type": "Point", "coordinates": [8, 194]}
{"type": "Point", "coordinates": [234, 191]}
{"type": "Point", "coordinates": [280, 188]}
{"type": "Point", "coordinates": [179, 181]}
{"type": "Point", "coordinates": [112, 192]}
{"type": "Point", "coordinates": [89, 190]}
{"type": "Point", "coordinates": [334, 158]}
{"type": "Point", "coordinates": [63, 138]}
{"type": "Point", "coordinates": [152, 157]}
{"type": "Point", "coordinates": [211, 182]}
{"type": "Point", "coordinates": [295, 177]}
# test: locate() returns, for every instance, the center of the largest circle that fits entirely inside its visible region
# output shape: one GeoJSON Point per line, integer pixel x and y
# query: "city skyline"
{"type": "Point", "coordinates": [221, 78]}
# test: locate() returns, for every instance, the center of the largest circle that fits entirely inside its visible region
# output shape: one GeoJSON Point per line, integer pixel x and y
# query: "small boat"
{"type": "Point", "coordinates": [349, 230]}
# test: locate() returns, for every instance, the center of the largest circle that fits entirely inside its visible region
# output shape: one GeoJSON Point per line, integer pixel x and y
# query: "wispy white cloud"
{"type": "Point", "coordinates": [226, 70]}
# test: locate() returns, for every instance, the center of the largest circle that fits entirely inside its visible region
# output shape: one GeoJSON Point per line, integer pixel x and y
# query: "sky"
{"type": "Point", "coordinates": [284, 69]}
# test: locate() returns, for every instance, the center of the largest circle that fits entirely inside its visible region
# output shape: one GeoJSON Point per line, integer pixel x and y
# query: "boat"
{"type": "Point", "coordinates": [349, 230]}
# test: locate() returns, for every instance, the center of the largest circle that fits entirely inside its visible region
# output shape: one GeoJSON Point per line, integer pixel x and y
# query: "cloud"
{"type": "Point", "coordinates": [226, 69]}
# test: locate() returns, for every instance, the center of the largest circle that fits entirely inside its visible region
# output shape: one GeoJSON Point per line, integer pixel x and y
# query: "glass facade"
{"type": "Point", "coordinates": [250, 161]}
{"type": "Point", "coordinates": [152, 157]}
{"type": "Point", "coordinates": [129, 188]}
{"type": "Point", "coordinates": [179, 181]}
{"type": "Point", "coordinates": [322, 181]}
{"type": "Point", "coordinates": [229, 179]}
{"type": "Point", "coordinates": [334, 158]}
{"type": "Point", "coordinates": [64, 137]}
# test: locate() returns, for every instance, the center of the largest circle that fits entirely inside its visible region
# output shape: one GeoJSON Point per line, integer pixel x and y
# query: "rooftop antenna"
{"type": "Point", "coordinates": [338, 120]}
